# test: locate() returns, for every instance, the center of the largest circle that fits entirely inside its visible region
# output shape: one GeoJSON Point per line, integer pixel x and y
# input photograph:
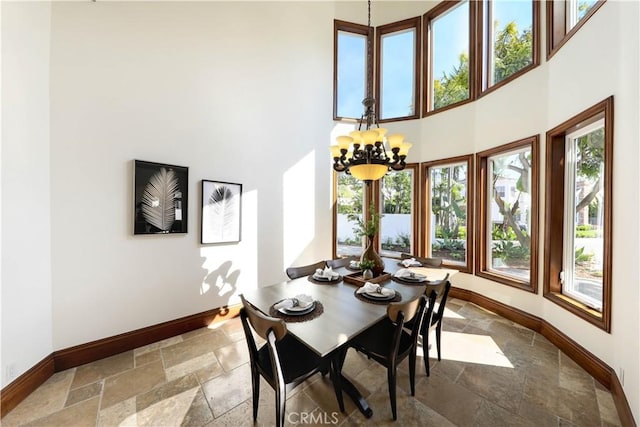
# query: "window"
{"type": "Point", "coordinates": [399, 212]}
{"type": "Point", "coordinates": [447, 217]}
{"type": "Point", "coordinates": [350, 69]}
{"type": "Point", "coordinates": [510, 40]}
{"type": "Point", "coordinates": [448, 57]}
{"type": "Point", "coordinates": [507, 233]}
{"type": "Point", "coordinates": [565, 18]}
{"type": "Point", "coordinates": [398, 70]}
{"type": "Point", "coordinates": [577, 268]}
{"type": "Point", "coordinates": [349, 199]}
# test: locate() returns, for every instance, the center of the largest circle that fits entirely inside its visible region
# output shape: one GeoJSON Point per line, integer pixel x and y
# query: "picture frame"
{"type": "Point", "coordinates": [221, 212]}
{"type": "Point", "coordinates": [160, 198]}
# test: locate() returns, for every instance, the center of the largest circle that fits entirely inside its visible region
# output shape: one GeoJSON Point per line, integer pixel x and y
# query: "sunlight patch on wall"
{"type": "Point", "coordinates": [469, 348]}
{"type": "Point", "coordinates": [298, 207]}
{"type": "Point", "coordinates": [230, 268]}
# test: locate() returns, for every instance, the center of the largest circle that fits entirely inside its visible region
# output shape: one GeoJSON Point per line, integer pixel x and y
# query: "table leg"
{"type": "Point", "coordinates": [343, 384]}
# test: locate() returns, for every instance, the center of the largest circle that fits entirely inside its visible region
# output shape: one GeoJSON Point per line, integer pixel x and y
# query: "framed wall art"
{"type": "Point", "coordinates": [160, 198]}
{"type": "Point", "coordinates": [221, 212]}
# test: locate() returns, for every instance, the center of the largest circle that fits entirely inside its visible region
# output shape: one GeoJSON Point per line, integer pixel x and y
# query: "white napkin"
{"type": "Point", "coordinates": [303, 301]}
{"type": "Point", "coordinates": [327, 273]}
{"type": "Point", "coordinates": [411, 262]}
{"type": "Point", "coordinates": [405, 273]}
{"type": "Point", "coordinates": [373, 288]}
{"type": "Point", "coordinates": [354, 264]}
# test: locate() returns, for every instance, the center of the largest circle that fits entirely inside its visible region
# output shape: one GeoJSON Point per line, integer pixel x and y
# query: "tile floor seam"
{"type": "Point", "coordinates": [100, 403]}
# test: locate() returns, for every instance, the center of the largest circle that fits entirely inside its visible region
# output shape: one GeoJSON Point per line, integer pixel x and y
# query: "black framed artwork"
{"type": "Point", "coordinates": [221, 212]}
{"type": "Point", "coordinates": [160, 198]}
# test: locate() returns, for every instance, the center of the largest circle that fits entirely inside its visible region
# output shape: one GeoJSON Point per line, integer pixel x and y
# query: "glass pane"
{"type": "Point", "coordinates": [398, 74]}
{"type": "Point", "coordinates": [578, 9]}
{"type": "Point", "coordinates": [449, 213]}
{"type": "Point", "coordinates": [396, 225]}
{"type": "Point", "coordinates": [352, 70]}
{"type": "Point", "coordinates": [510, 214]}
{"type": "Point", "coordinates": [585, 280]}
{"type": "Point", "coordinates": [350, 201]}
{"type": "Point", "coordinates": [510, 45]}
{"type": "Point", "coordinates": [450, 57]}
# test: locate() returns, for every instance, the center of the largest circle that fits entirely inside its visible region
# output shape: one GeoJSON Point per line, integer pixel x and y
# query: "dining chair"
{"type": "Point", "coordinates": [341, 262]}
{"type": "Point", "coordinates": [304, 270]}
{"type": "Point", "coordinates": [388, 343]}
{"type": "Point", "coordinates": [441, 289]}
{"type": "Point", "coordinates": [283, 361]}
{"type": "Point", "coordinates": [427, 262]}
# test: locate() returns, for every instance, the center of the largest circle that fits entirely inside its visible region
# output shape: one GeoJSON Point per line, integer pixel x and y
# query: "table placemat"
{"type": "Point", "coordinates": [361, 297]}
{"type": "Point", "coordinates": [293, 319]}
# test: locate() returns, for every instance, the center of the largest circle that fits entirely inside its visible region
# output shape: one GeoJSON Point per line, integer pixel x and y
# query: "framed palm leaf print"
{"type": "Point", "coordinates": [221, 209]}
{"type": "Point", "coordinates": [160, 198]}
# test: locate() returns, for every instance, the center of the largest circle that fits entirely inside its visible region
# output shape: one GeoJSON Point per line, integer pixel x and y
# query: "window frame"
{"type": "Point", "coordinates": [411, 23]}
{"type": "Point", "coordinates": [554, 219]}
{"type": "Point", "coordinates": [348, 27]}
{"type": "Point", "coordinates": [483, 200]}
{"type": "Point", "coordinates": [427, 19]}
{"type": "Point", "coordinates": [484, 32]}
{"type": "Point", "coordinates": [557, 34]}
{"type": "Point", "coordinates": [425, 198]}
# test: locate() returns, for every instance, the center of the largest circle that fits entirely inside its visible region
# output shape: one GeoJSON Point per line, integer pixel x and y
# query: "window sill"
{"type": "Point", "coordinates": [507, 280]}
{"type": "Point", "coordinates": [579, 309]}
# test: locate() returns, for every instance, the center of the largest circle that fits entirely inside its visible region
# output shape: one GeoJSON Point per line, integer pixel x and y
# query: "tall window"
{"type": "Point", "coordinates": [448, 54]}
{"type": "Point", "coordinates": [510, 39]}
{"type": "Point", "coordinates": [507, 236]}
{"type": "Point", "coordinates": [349, 69]}
{"type": "Point", "coordinates": [398, 69]}
{"type": "Point", "coordinates": [448, 219]}
{"type": "Point", "coordinates": [565, 18]}
{"type": "Point", "coordinates": [398, 207]}
{"type": "Point", "coordinates": [349, 199]}
{"type": "Point", "coordinates": [578, 266]}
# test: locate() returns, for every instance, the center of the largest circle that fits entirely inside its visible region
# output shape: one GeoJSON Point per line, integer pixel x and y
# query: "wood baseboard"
{"type": "Point", "coordinates": [587, 360]}
{"type": "Point", "coordinates": [26, 383]}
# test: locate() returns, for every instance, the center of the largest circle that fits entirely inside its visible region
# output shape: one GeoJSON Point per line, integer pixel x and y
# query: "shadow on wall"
{"type": "Point", "coordinates": [222, 281]}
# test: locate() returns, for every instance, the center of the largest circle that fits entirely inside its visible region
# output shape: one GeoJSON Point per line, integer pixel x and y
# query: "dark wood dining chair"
{"type": "Point", "coordinates": [427, 262]}
{"type": "Point", "coordinates": [441, 289]}
{"type": "Point", "coordinates": [388, 343]}
{"type": "Point", "coordinates": [304, 270]}
{"type": "Point", "coordinates": [341, 262]}
{"type": "Point", "coordinates": [283, 361]}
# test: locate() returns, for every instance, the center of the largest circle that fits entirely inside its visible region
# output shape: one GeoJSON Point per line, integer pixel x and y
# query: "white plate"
{"type": "Point", "coordinates": [417, 278]}
{"type": "Point", "coordinates": [298, 311]}
{"type": "Point", "coordinates": [377, 295]}
{"type": "Point", "coordinates": [326, 279]}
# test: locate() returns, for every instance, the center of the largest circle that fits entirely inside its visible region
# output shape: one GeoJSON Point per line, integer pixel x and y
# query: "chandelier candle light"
{"type": "Point", "coordinates": [367, 154]}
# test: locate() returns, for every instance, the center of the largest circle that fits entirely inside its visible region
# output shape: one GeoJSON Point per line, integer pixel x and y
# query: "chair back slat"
{"type": "Point", "coordinates": [262, 324]}
{"type": "Point", "coordinates": [304, 270]}
{"type": "Point", "coordinates": [427, 262]}
{"type": "Point", "coordinates": [341, 262]}
{"type": "Point", "coordinates": [408, 309]}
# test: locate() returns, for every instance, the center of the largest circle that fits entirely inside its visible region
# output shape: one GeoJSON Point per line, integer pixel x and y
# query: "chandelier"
{"type": "Point", "coordinates": [367, 153]}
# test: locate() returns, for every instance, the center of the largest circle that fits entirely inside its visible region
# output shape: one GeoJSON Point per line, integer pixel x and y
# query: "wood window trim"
{"type": "Point", "coordinates": [482, 198]}
{"type": "Point", "coordinates": [348, 27]}
{"type": "Point", "coordinates": [425, 209]}
{"type": "Point", "coordinates": [557, 34]}
{"type": "Point", "coordinates": [483, 74]}
{"type": "Point", "coordinates": [411, 23]}
{"type": "Point", "coordinates": [427, 20]}
{"type": "Point", "coordinates": [554, 173]}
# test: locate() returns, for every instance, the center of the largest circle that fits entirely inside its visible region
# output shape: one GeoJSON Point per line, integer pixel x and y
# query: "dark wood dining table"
{"type": "Point", "coordinates": [344, 315]}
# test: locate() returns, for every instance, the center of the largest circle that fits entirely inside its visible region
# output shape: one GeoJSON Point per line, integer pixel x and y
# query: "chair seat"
{"type": "Point", "coordinates": [375, 340]}
{"type": "Point", "coordinates": [297, 360]}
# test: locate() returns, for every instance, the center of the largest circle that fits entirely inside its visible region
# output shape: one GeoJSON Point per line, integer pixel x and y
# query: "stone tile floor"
{"type": "Point", "coordinates": [493, 373]}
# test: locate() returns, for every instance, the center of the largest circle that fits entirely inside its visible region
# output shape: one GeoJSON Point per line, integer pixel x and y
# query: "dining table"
{"type": "Point", "coordinates": [340, 314]}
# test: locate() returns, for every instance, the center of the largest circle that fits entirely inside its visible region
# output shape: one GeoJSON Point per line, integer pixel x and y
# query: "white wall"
{"type": "Point", "coordinates": [599, 61]}
{"type": "Point", "coordinates": [26, 229]}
